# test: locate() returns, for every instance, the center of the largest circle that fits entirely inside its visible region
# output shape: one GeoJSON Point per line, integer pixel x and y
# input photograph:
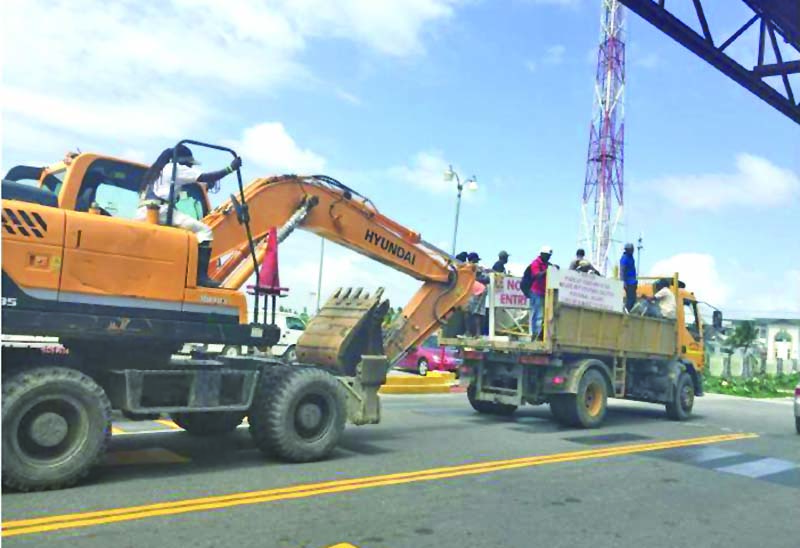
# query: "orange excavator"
{"type": "Point", "coordinates": [122, 295]}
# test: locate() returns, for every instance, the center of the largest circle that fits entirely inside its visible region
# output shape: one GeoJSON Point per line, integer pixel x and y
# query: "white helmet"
{"type": "Point", "coordinates": [546, 249]}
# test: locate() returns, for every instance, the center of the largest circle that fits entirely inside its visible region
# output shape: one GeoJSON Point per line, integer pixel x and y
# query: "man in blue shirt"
{"type": "Point", "coordinates": [627, 273]}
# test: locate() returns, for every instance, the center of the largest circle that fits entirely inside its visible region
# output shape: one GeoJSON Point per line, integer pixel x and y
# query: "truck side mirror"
{"type": "Point", "coordinates": [716, 319]}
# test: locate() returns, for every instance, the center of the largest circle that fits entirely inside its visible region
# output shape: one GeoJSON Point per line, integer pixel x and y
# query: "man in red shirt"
{"type": "Point", "coordinates": [534, 284]}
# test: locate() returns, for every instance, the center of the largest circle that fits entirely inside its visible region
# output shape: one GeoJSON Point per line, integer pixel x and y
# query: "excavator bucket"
{"type": "Point", "coordinates": [345, 329]}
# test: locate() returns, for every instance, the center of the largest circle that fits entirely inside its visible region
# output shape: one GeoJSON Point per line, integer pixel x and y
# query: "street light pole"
{"type": "Point", "coordinates": [471, 184]}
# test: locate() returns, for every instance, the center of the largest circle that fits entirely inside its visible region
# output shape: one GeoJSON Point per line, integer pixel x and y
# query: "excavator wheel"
{"type": "Point", "coordinates": [488, 407]}
{"type": "Point", "coordinates": [298, 413]}
{"type": "Point", "coordinates": [56, 426]}
{"type": "Point", "coordinates": [214, 423]}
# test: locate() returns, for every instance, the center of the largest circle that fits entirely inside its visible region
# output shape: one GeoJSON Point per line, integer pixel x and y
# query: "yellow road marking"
{"type": "Point", "coordinates": [168, 424]}
{"type": "Point", "coordinates": [87, 519]}
{"type": "Point", "coordinates": [115, 430]}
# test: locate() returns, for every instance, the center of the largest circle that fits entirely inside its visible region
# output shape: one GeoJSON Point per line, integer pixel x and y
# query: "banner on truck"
{"type": "Point", "coordinates": [574, 288]}
{"type": "Point", "coordinates": [587, 290]}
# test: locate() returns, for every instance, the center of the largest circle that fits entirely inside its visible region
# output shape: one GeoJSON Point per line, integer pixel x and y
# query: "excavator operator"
{"type": "Point", "coordinates": [155, 189]}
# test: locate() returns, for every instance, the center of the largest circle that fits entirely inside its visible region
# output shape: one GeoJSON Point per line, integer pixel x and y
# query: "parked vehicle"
{"type": "Point", "coordinates": [431, 357]}
{"type": "Point", "coordinates": [291, 326]}
{"type": "Point", "coordinates": [797, 407]}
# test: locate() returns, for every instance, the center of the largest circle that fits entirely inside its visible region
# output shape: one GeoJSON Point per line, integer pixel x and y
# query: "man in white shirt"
{"type": "Point", "coordinates": [156, 185]}
{"type": "Point", "coordinates": [665, 299]}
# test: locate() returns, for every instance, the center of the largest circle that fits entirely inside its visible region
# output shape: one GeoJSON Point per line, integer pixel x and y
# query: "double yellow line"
{"type": "Point", "coordinates": [88, 519]}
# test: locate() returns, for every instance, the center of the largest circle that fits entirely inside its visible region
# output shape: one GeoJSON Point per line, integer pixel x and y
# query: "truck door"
{"type": "Point", "coordinates": [691, 336]}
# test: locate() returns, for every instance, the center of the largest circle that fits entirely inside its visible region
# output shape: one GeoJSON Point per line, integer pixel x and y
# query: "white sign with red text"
{"type": "Point", "coordinates": [507, 293]}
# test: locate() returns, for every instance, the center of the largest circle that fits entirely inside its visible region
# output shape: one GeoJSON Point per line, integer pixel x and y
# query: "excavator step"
{"type": "Point", "coordinates": [345, 329]}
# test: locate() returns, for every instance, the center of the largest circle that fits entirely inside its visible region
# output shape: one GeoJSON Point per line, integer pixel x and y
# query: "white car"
{"type": "Point", "coordinates": [291, 326]}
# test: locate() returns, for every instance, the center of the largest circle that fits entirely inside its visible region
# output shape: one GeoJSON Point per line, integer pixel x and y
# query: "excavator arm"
{"type": "Point", "coordinates": [348, 326]}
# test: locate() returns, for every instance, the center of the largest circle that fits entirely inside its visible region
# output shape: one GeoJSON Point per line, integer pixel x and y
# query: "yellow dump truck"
{"type": "Point", "coordinates": [587, 355]}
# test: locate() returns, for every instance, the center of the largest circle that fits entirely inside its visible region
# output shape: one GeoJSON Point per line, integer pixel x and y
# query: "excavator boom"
{"type": "Point", "coordinates": [349, 325]}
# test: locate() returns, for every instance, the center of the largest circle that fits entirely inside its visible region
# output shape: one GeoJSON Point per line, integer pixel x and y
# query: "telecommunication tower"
{"type": "Point", "coordinates": [603, 189]}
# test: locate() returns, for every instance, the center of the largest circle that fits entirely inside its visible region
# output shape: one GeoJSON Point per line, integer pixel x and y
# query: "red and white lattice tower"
{"type": "Point", "coordinates": [603, 189]}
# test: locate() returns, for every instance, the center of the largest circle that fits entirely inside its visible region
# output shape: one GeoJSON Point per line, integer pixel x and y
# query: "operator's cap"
{"type": "Point", "coordinates": [184, 155]}
{"type": "Point", "coordinates": [473, 257]}
{"type": "Point", "coordinates": [503, 254]}
{"type": "Point", "coordinates": [546, 249]}
{"type": "Point", "coordinates": [628, 246]}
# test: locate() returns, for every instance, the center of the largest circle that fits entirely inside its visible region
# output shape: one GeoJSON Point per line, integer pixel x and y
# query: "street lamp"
{"type": "Point", "coordinates": [469, 184]}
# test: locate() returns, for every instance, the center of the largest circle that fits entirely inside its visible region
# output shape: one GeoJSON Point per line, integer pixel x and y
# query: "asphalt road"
{"type": "Point", "coordinates": [435, 473]}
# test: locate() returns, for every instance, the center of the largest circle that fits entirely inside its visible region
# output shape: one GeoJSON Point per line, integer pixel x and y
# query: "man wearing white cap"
{"type": "Point", "coordinates": [534, 280]}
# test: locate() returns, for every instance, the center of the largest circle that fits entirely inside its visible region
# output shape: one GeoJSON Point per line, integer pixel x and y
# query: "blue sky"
{"type": "Point", "coordinates": [384, 95]}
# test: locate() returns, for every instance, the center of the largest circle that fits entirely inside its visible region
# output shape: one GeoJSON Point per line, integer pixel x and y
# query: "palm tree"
{"type": "Point", "coordinates": [744, 336]}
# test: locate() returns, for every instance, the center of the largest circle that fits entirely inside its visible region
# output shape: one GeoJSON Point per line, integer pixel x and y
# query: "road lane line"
{"type": "Point", "coordinates": [87, 519]}
{"type": "Point", "coordinates": [168, 424]}
{"type": "Point", "coordinates": [116, 431]}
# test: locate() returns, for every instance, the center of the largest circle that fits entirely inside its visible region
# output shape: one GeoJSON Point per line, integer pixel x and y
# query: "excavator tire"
{"type": "Point", "coordinates": [214, 423]}
{"type": "Point", "coordinates": [56, 427]}
{"type": "Point", "coordinates": [488, 407]}
{"type": "Point", "coordinates": [298, 413]}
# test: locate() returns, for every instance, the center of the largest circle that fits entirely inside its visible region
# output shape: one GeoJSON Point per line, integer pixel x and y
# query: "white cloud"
{"type": "Point", "coordinates": [268, 145]}
{"type": "Point", "coordinates": [531, 65]}
{"type": "Point", "coordinates": [139, 70]}
{"type": "Point", "coordinates": [699, 272]}
{"type": "Point", "coordinates": [554, 55]}
{"type": "Point", "coordinates": [426, 171]}
{"type": "Point", "coordinates": [755, 183]}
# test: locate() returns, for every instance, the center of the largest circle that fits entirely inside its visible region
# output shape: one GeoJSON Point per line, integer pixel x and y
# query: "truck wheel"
{"type": "Point", "coordinates": [298, 413]}
{"type": "Point", "coordinates": [587, 408]}
{"type": "Point", "coordinates": [212, 423]}
{"type": "Point", "coordinates": [797, 424]}
{"type": "Point", "coordinates": [488, 407]}
{"type": "Point", "coordinates": [56, 426]}
{"type": "Point", "coordinates": [680, 408]}
{"type": "Point", "coordinates": [422, 367]}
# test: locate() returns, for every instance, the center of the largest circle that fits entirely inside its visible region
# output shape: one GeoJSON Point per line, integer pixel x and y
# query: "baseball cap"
{"type": "Point", "coordinates": [503, 254]}
{"type": "Point", "coordinates": [546, 249]}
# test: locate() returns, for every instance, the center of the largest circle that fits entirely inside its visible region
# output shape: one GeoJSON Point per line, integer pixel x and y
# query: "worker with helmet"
{"type": "Point", "coordinates": [627, 273]}
{"type": "Point", "coordinates": [156, 189]}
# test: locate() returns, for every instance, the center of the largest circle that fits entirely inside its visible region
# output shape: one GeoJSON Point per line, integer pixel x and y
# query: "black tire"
{"type": "Point", "coordinates": [422, 367]}
{"type": "Point", "coordinates": [298, 413]}
{"type": "Point", "coordinates": [56, 427]}
{"type": "Point", "coordinates": [213, 423]}
{"type": "Point", "coordinates": [488, 407]}
{"type": "Point", "coordinates": [587, 408]}
{"type": "Point", "coordinates": [797, 424]}
{"type": "Point", "coordinates": [680, 408]}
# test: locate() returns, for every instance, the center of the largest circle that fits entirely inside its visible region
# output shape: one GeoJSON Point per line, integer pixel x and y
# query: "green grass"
{"type": "Point", "coordinates": [759, 386]}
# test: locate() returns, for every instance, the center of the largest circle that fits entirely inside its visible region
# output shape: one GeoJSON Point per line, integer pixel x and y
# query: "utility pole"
{"type": "Point", "coordinates": [639, 248]}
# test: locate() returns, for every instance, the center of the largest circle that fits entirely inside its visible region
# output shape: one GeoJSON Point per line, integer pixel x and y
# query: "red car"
{"type": "Point", "coordinates": [430, 357]}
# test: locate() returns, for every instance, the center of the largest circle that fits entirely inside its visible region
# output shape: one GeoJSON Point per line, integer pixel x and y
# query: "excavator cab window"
{"type": "Point", "coordinates": [114, 186]}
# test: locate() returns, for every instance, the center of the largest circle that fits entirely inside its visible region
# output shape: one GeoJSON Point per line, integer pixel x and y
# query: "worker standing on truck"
{"type": "Point", "coordinates": [477, 303]}
{"type": "Point", "coordinates": [534, 285]}
{"type": "Point", "coordinates": [500, 265]}
{"type": "Point", "coordinates": [155, 188]}
{"type": "Point", "coordinates": [580, 264]}
{"type": "Point", "coordinates": [627, 273]}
